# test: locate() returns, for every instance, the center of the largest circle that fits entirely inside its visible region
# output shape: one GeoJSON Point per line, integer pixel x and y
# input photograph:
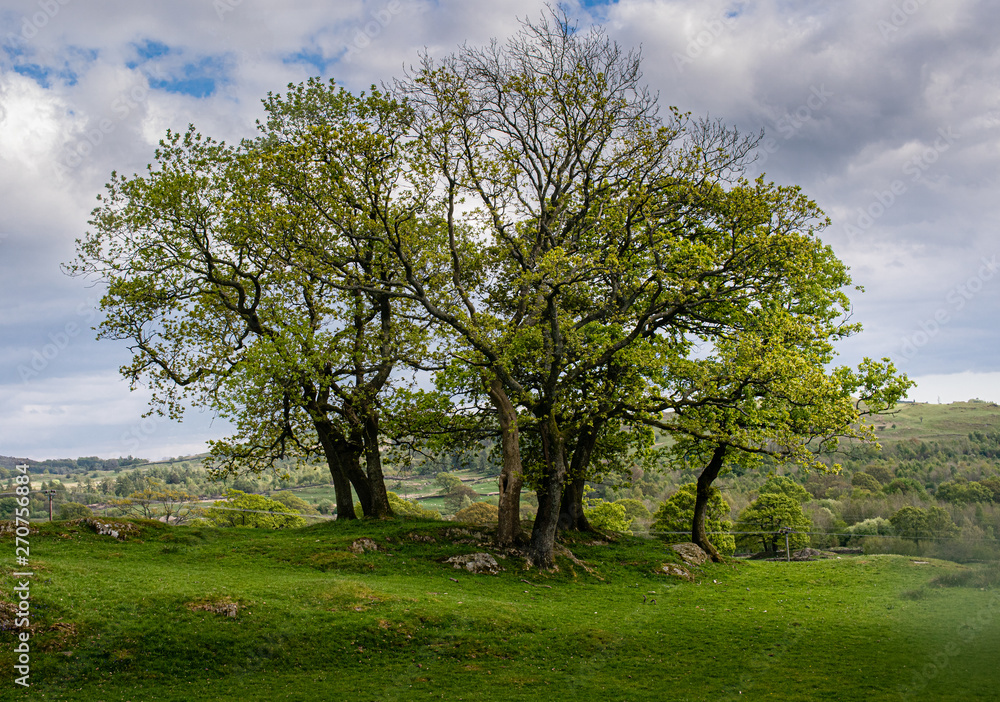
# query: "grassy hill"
{"type": "Point", "coordinates": [149, 619]}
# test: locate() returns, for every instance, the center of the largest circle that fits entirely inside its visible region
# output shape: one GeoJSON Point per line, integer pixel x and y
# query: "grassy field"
{"type": "Point", "coordinates": [929, 422]}
{"type": "Point", "coordinates": [134, 620]}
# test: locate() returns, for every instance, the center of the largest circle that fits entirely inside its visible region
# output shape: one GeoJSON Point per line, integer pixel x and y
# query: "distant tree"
{"type": "Point", "coordinates": [783, 485]}
{"type": "Point", "coordinates": [880, 473]}
{"type": "Point", "coordinates": [292, 500]}
{"type": "Point", "coordinates": [256, 511]}
{"type": "Point", "coordinates": [865, 481]}
{"type": "Point", "coordinates": [963, 492]}
{"type": "Point", "coordinates": [634, 509]}
{"type": "Point", "coordinates": [917, 523]}
{"type": "Point", "coordinates": [74, 510]}
{"type": "Point", "coordinates": [905, 486]}
{"type": "Point", "coordinates": [607, 516]}
{"type": "Point", "coordinates": [770, 513]}
{"type": "Point", "coordinates": [677, 512]}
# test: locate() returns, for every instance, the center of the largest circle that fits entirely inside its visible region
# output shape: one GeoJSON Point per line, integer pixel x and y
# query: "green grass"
{"type": "Point", "coordinates": [319, 622]}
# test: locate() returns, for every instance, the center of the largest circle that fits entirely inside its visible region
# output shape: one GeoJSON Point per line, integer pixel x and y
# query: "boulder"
{"type": "Point", "coordinates": [476, 563]}
{"type": "Point", "coordinates": [678, 571]}
{"type": "Point", "coordinates": [362, 545]}
{"type": "Point", "coordinates": [691, 553]}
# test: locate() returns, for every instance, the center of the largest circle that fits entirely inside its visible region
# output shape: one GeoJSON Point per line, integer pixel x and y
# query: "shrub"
{"type": "Point", "coordinates": [677, 514]}
{"type": "Point", "coordinates": [260, 512]}
{"type": "Point", "coordinates": [607, 516]}
{"type": "Point", "coordinates": [409, 508]}
{"type": "Point", "coordinates": [480, 513]}
{"type": "Point", "coordinates": [295, 502]}
{"type": "Point", "coordinates": [74, 510]}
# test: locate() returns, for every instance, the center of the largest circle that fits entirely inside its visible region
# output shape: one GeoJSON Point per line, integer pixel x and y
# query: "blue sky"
{"type": "Point", "coordinates": [887, 114]}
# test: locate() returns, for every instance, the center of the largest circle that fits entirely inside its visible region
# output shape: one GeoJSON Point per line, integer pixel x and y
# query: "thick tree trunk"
{"type": "Point", "coordinates": [380, 508]}
{"type": "Point", "coordinates": [351, 461]}
{"type": "Point", "coordinates": [571, 514]}
{"type": "Point", "coordinates": [341, 485]}
{"type": "Point", "coordinates": [511, 475]}
{"type": "Point", "coordinates": [541, 549]}
{"type": "Point", "coordinates": [698, 533]}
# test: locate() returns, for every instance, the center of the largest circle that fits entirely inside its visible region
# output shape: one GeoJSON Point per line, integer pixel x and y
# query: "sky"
{"type": "Point", "coordinates": [886, 113]}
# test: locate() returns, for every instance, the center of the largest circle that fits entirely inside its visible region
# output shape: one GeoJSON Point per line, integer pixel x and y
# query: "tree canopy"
{"type": "Point", "coordinates": [520, 220]}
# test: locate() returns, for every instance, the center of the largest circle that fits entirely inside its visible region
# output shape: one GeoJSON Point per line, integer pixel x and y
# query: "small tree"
{"type": "Point", "coordinates": [74, 510]}
{"type": "Point", "coordinates": [255, 511]}
{"type": "Point", "coordinates": [866, 481]}
{"type": "Point", "coordinates": [677, 513]}
{"type": "Point", "coordinates": [770, 513]}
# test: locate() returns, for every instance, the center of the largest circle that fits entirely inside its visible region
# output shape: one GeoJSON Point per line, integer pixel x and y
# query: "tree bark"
{"type": "Point", "coordinates": [341, 485]}
{"type": "Point", "coordinates": [541, 549]}
{"type": "Point", "coordinates": [511, 474]}
{"type": "Point", "coordinates": [698, 533]}
{"type": "Point", "coordinates": [571, 514]}
{"type": "Point", "coordinates": [380, 508]}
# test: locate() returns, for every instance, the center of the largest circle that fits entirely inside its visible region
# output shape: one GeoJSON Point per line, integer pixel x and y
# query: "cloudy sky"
{"type": "Point", "coordinates": [887, 113]}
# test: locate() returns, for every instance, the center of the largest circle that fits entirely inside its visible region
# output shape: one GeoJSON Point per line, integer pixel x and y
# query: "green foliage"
{"type": "Point", "coordinates": [634, 509]}
{"type": "Point", "coordinates": [783, 485]}
{"type": "Point", "coordinates": [607, 516]}
{"type": "Point", "coordinates": [410, 508]}
{"type": "Point", "coordinates": [865, 481]}
{"type": "Point", "coordinates": [769, 513]}
{"type": "Point", "coordinates": [677, 514]}
{"type": "Point", "coordinates": [448, 482]}
{"type": "Point", "coordinates": [917, 523]}
{"type": "Point", "coordinates": [963, 492]}
{"type": "Point", "coordinates": [261, 512]}
{"type": "Point", "coordinates": [294, 502]}
{"type": "Point", "coordinates": [880, 472]}
{"type": "Point", "coordinates": [74, 510]}
{"type": "Point", "coordinates": [905, 486]}
{"type": "Point", "coordinates": [480, 513]}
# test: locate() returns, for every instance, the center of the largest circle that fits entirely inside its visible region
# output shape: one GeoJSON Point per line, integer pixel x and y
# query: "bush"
{"type": "Point", "coordinates": [677, 514]}
{"type": "Point", "coordinates": [295, 502]}
{"type": "Point", "coordinates": [261, 512]}
{"type": "Point", "coordinates": [607, 516]}
{"type": "Point", "coordinates": [74, 510]}
{"type": "Point", "coordinates": [479, 513]}
{"type": "Point", "coordinates": [408, 508]}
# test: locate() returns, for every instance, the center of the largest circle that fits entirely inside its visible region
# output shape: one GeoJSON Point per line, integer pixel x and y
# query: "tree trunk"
{"type": "Point", "coordinates": [351, 461]}
{"type": "Point", "coordinates": [571, 514]}
{"type": "Point", "coordinates": [341, 485]}
{"type": "Point", "coordinates": [511, 475]}
{"type": "Point", "coordinates": [698, 533]}
{"type": "Point", "coordinates": [380, 508]}
{"type": "Point", "coordinates": [541, 549]}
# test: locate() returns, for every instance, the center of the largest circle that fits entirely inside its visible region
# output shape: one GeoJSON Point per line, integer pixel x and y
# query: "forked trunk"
{"type": "Point", "coordinates": [541, 549]}
{"type": "Point", "coordinates": [571, 514]}
{"type": "Point", "coordinates": [699, 535]}
{"type": "Point", "coordinates": [380, 508]}
{"type": "Point", "coordinates": [341, 485]}
{"type": "Point", "coordinates": [511, 475]}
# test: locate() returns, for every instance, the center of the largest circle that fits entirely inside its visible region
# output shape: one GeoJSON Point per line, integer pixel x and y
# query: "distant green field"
{"type": "Point", "coordinates": [929, 422]}
{"type": "Point", "coordinates": [315, 621]}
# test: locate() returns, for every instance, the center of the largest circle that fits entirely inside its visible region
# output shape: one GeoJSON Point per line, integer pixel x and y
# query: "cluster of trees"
{"type": "Point", "coordinates": [521, 226]}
